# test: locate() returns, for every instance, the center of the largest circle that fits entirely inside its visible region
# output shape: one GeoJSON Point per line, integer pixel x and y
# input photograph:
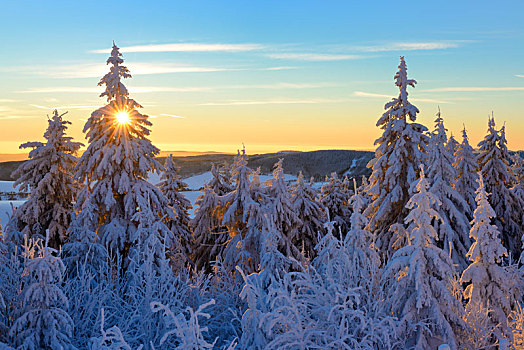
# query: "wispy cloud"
{"type": "Point", "coordinates": [313, 56]}
{"type": "Point", "coordinates": [61, 89]}
{"type": "Point", "coordinates": [153, 89]}
{"type": "Point", "coordinates": [187, 47]}
{"type": "Point", "coordinates": [370, 94]}
{"type": "Point", "coordinates": [410, 46]}
{"type": "Point", "coordinates": [280, 68]}
{"type": "Point", "coordinates": [98, 70]}
{"type": "Point", "coordinates": [3, 117]}
{"type": "Point", "coordinates": [97, 90]}
{"type": "Point", "coordinates": [476, 89]}
{"type": "Point", "coordinates": [271, 102]}
{"type": "Point", "coordinates": [172, 116]}
{"type": "Point", "coordinates": [81, 108]}
{"type": "Point", "coordinates": [388, 97]}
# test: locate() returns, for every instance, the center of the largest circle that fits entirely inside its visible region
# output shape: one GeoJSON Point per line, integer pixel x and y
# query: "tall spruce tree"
{"type": "Point", "coordinates": [44, 323]}
{"type": "Point", "coordinates": [210, 234]}
{"type": "Point", "coordinates": [244, 209]}
{"type": "Point", "coordinates": [401, 149]}
{"type": "Point", "coordinates": [310, 213]}
{"type": "Point", "coordinates": [493, 161]}
{"type": "Point", "coordinates": [335, 199]}
{"type": "Point", "coordinates": [418, 279]}
{"type": "Point", "coordinates": [48, 176]}
{"type": "Point", "coordinates": [465, 165]}
{"type": "Point", "coordinates": [171, 185]}
{"type": "Point", "coordinates": [490, 285]}
{"type": "Point", "coordinates": [284, 216]}
{"type": "Point", "coordinates": [115, 169]}
{"type": "Point", "coordinates": [453, 227]}
{"type": "Point", "coordinates": [452, 145]}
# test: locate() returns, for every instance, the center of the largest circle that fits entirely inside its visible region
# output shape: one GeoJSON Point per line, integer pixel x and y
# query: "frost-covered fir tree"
{"type": "Point", "coordinates": [310, 213]}
{"type": "Point", "coordinates": [283, 213]}
{"type": "Point", "coordinates": [244, 209]}
{"type": "Point", "coordinates": [453, 226]}
{"type": "Point", "coordinates": [418, 279]}
{"type": "Point", "coordinates": [210, 235]}
{"type": "Point", "coordinates": [518, 188]}
{"type": "Point", "coordinates": [335, 199]}
{"type": "Point", "coordinates": [45, 323]}
{"type": "Point", "coordinates": [363, 257]}
{"type": "Point", "coordinates": [465, 165]}
{"type": "Point", "coordinates": [48, 176]}
{"type": "Point", "coordinates": [452, 145]}
{"type": "Point", "coordinates": [171, 185]}
{"type": "Point", "coordinates": [115, 167]}
{"type": "Point", "coordinates": [401, 149]}
{"type": "Point", "coordinates": [490, 285]}
{"type": "Point", "coordinates": [273, 265]}
{"type": "Point", "coordinates": [493, 161]}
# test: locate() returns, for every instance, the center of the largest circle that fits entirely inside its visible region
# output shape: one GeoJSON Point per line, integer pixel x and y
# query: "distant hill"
{"type": "Point", "coordinates": [6, 168]}
{"type": "Point", "coordinates": [315, 164]}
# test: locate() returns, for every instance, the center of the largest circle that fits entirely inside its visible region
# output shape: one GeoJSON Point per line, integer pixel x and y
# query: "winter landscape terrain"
{"type": "Point", "coordinates": [415, 246]}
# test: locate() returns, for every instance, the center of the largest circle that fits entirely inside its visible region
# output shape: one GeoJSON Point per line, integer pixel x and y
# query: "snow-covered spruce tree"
{"type": "Point", "coordinates": [210, 235]}
{"type": "Point", "coordinates": [493, 161]}
{"type": "Point", "coordinates": [401, 149]}
{"type": "Point", "coordinates": [115, 167]}
{"type": "Point", "coordinates": [418, 280]}
{"type": "Point", "coordinates": [491, 285]}
{"type": "Point", "coordinates": [363, 257]}
{"type": "Point", "coordinates": [518, 171]}
{"type": "Point", "coordinates": [335, 200]}
{"type": "Point", "coordinates": [453, 226]}
{"type": "Point", "coordinates": [283, 214]}
{"type": "Point", "coordinates": [518, 188]}
{"type": "Point", "coordinates": [221, 180]}
{"type": "Point", "coordinates": [244, 209]}
{"type": "Point", "coordinates": [273, 265]}
{"type": "Point", "coordinates": [320, 308]}
{"type": "Point", "coordinates": [310, 213]}
{"type": "Point", "coordinates": [465, 165]}
{"type": "Point", "coordinates": [452, 145]}
{"type": "Point", "coordinates": [45, 323]}
{"type": "Point", "coordinates": [48, 176]}
{"type": "Point", "coordinates": [171, 185]}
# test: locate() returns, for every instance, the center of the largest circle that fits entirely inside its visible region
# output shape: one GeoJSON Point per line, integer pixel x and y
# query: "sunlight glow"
{"type": "Point", "coordinates": [122, 117]}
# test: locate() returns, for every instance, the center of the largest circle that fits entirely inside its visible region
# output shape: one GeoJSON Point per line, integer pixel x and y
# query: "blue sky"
{"type": "Point", "coordinates": [272, 74]}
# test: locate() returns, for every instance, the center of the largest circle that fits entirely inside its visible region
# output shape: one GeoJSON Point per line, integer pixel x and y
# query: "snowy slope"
{"type": "Point", "coordinates": [5, 210]}
{"type": "Point", "coordinates": [7, 186]}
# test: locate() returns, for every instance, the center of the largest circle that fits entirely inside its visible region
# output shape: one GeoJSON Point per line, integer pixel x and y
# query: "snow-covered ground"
{"type": "Point", "coordinates": [7, 187]}
{"type": "Point", "coordinates": [353, 165]}
{"type": "Point", "coordinates": [6, 210]}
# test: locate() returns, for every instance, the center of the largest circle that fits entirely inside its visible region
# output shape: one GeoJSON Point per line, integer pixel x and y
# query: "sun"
{"type": "Point", "coordinates": [122, 117]}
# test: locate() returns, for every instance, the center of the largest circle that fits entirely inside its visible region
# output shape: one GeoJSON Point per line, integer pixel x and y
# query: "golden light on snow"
{"type": "Point", "coordinates": [122, 117]}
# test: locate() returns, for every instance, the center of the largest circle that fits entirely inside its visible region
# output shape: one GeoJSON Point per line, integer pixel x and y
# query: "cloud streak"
{"type": "Point", "coordinates": [410, 46]}
{"type": "Point", "coordinates": [320, 57]}
{"type": "Point", "coordinates": [414, 99]}
{"type": "Point", "coordinates": [187, 47]}
{"type": "Point", "coordinates": [153, 89]}
{"type": "Point", "coordinates": [271, 102]}
{"type": "Point", "coordinates": [476, 89]}
{"type": "Point", "coordinates": [98, 70]}
{"type": "Point", "coordinates": [173, 116]}
{"type": "Point", "coordinates": [81, 108]}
